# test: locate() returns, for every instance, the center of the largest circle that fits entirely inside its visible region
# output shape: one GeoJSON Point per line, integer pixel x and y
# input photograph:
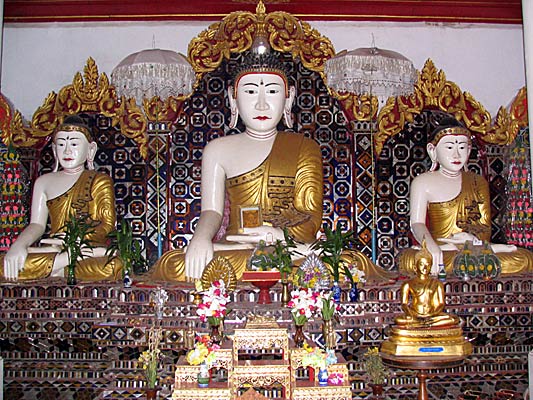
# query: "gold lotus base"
{"type": "Point", "coordinates": [426, 342]}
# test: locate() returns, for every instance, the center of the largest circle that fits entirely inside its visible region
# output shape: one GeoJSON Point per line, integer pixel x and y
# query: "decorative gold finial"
{"type": "Point", "coordinates": [260, 10]}
{"type": "Point", "coordinates": [423, 253]}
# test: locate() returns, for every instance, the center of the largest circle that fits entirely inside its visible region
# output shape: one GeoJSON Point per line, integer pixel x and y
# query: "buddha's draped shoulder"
{"type": "Point", "coordinates": [92, 195]}
{"type": "Point", "coordinates": [287, 185]}
{"type": "Point", "coordinates": [469, 211]}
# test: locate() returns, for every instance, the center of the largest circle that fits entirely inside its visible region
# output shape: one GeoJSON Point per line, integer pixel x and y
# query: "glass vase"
{"type": "Point", "coordinates": [299, 337]}
{"type": "Point", "coordinates": [71, 275]}
{"type": "Point", "coordinates": [328, 334]}
{"type": "Point", "coordinates": [203, 376]}
{"type": "Point", "coordinates": [323, 377]}
{"type": "Point", "coordinates": [216, 336]}
{"type": "Point", "coordinates": [336, 292]}
{"type": "Point", "coordinates": [285, 292]}
{"type": "Point", "coordinates": [353, 294]}
{"type": "Point", "coordinates": [151, 393]}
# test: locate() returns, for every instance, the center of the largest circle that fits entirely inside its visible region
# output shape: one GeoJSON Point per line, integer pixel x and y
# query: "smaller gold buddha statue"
{"type": "Point", "coordinates": [425, 329]}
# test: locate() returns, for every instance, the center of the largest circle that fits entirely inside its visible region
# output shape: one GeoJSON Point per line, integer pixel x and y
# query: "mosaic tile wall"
{"type": "Point", "coordinates": [170, 181]}
{"type": "Point", "coordinates": [204, 118]}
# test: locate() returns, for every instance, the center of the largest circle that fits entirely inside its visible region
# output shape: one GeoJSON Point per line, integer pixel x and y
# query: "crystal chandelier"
{"type": "Point", "coordinates": [153, 72]}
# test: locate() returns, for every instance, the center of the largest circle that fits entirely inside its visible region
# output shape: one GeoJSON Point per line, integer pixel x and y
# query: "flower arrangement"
{"type": "Point", "coordinates": [213, 307]}
{"type": "Point", "coordinates": [276, 256]}
{"type": "Point", "coordinates": [303, 304]}
{"type": "Point", "coordinates": [204, 352]}
{"type": "Point", "coordinates": [317, 358]}
{"type": "Point", "coordinates": [353, 274]}
{"type": "Point", "coordinates": [327, 305]}
{"type": "Point", "coordinates": [330, 248]}
{"type": "Point", "coordinates": [149, 359]}
{"type": "Point", "coordinates": [373, 364]}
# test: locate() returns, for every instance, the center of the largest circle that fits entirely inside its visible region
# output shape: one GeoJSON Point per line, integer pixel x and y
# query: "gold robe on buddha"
{"type": "Point", "coordinates": [468, 212]}
{"type": "Point", "coordinates": [91, 195]}
{"type": "Point", "coordinates": [288, 187]}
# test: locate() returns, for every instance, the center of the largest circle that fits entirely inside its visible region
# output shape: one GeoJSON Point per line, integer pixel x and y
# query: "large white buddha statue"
{"type": "Point", "coordinates": [280, 172]}
{"type": "Point", "coordinates": [71, 189]}
{"type": "Point", "coordinates": [450, 206]}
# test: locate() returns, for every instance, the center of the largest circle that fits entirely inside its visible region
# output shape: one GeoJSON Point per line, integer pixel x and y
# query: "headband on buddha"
{"type": "Point", "coordinates": [449, 127]}
{"type": "Point", "coordinates": [74, 124]}
{"type": "Point", "coordinates": [253, 63]}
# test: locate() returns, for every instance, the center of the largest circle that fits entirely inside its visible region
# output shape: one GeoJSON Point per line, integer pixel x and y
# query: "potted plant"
{"type": "Point", "coordinates": [126, 249]}
{"type": "Point", "coordinates": [375, 370]}
{"type": "Point", "coordinates": [75, 241]}
{"type": "Point", "coordinates": [269, 259]}
{"type": "Point", "coordinates": [330, 250]}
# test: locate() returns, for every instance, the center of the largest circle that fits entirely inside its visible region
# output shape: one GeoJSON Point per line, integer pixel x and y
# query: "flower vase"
{"type": "Point", "coordinates": [285, 292]}
{"type": "Point", "coordinates": [323, 377]}
{"type": "Point", "coordinates": [354, 293]}
{"type": "Point", "coordinates": [151, 393]}
{"type": "Point", "coordinates": [336, 290]}
{"type": "Point", "coordinates": [127, 280]}
{"type": "Point", "coordinates": [71, 275]}
{"type": "Point", "coordinates": [215, 335]}
{"type": "Point", "coordinates": [377, 390]}
{"type": "Point", "coordinates": [299, 337]}
{"type": "Point", "coordinates": [203, 376]}
{"type": "Point", "coordinates": [328, 334]}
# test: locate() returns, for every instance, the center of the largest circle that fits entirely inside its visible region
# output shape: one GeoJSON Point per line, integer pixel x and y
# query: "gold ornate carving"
{"type": "Point", "coordinates": [269, 338]}
{"type": "Point", "coordinates": [260, 322]}
{"type": "Point", "coordinates": [235, 33]}
{"type": "Point", "coordinates": [219, 268]}
{"type": "Point", "coordinates": [89, 92]}
{"type": "Point", "coordinates": [432, 90]}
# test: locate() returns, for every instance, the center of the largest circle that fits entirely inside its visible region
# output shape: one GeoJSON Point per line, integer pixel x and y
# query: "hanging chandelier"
{"type": "Point", "coordinates": [153, 72]}
{"type": "Point", "coordinates": [381, 73]}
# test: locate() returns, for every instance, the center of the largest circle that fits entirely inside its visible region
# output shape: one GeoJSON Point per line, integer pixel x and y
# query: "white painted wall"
{"type": "Point", "coordinates": [483, 59]}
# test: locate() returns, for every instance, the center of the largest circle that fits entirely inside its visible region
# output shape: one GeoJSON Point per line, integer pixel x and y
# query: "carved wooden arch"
{"type": "Point", "coordinates": [236, 31]}
{"type": "Point", "coordinates": [89, 92]}
{"type": "Point", "coordinates": [433, 91]}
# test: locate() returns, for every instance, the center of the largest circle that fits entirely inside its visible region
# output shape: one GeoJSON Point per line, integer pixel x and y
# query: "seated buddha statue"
{"type": "Point", "coordinates": [424, 328]}
{"type": "Point", "coordinates": [450, 206]}
{"type": "Point", "coordinates": [73, 189]}
{"type": "Point", "coordinates": [423, 297]}
{"type": "Point", "coordinates": [280, 173]}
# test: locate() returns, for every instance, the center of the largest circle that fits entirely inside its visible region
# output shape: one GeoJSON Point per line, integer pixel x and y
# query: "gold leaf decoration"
{"type": "Point", "coordinates": [234, 34]}
{"type": "Point", "coordinates": [219, 268]}
{"type": "Point", "coordinates": [432, 90]}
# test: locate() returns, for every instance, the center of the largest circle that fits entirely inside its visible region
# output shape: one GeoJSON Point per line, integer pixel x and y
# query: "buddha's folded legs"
{"type": "Point", "coordinates": [516, 262]}
{"type": "Point", "coordinates": [40, 265]}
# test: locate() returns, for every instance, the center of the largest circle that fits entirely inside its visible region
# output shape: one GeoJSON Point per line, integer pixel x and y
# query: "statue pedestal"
{"type": "Point", "coordinates": [422, 365]}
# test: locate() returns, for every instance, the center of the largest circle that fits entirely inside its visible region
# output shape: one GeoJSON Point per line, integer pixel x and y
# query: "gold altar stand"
{"type": "Point", "coordinates": [259, 373]}
{"type": "Point", "coordinates": [422, 365]}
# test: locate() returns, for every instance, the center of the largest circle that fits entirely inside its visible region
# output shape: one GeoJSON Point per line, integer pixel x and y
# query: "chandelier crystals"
{"type": "Point", "coordinates": [381, 73]}
{"type": "Point", "coordinates": [153, 72]}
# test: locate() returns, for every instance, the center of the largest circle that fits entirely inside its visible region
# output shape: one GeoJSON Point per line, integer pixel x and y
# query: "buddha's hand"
{"type": "Point", "coordinates": [14, 261]}
{"type": "Point", "coordinates": [503, 248]}
{"type": "Point", "coordinates": [197, 256]}
{"type": "Point", "coordinates": [436, 254]}
{"type": "Point", "coordinates": [268, 234]}
{"type": "Point", "coordinates": [459, 238]}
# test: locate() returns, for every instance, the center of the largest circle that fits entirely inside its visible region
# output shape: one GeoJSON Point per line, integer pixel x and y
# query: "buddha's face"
{"type": "Point", "coordinates": [452, 153]}
{"type": "Point", "coordinates": [72, 149]}
{"type": "Point", "coordinates": [260, 100]}
{"type": "Point", "coordinates": [423, 266]}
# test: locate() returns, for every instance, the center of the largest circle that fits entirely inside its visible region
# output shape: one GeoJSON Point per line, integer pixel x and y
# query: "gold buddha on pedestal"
{"type": "Point", "coordinates": [425, 329]}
